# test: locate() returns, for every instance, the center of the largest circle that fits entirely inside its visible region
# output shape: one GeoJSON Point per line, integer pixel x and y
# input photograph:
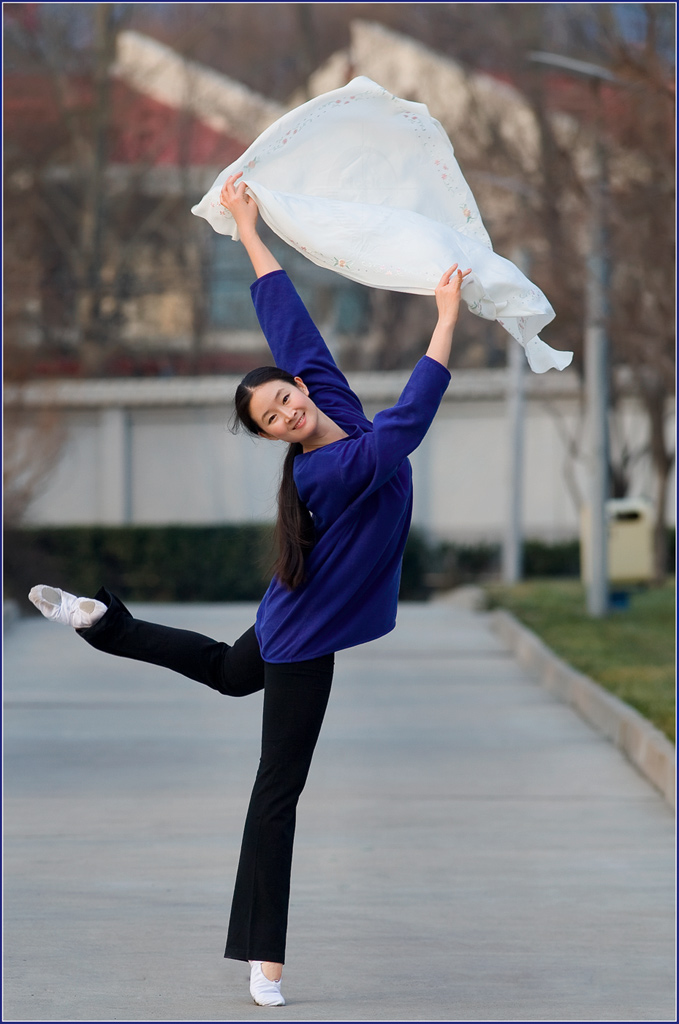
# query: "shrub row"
{"type": "Point", "coordinates": [467, 563]}
{"type": "Point", "coordinates": [142, 563]}
{"type": "Point", "coordinates": [230, 563]}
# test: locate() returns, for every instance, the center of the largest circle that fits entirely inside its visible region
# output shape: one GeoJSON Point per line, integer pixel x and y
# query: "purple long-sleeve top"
{"type": "Point", "coordinates": [358, 490]}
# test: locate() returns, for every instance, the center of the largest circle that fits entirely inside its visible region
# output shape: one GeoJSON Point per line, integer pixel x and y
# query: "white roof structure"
{"type": "Point", "coordinates": [218, 101]}
{"type": "Point", "coordinates": [462, 101]}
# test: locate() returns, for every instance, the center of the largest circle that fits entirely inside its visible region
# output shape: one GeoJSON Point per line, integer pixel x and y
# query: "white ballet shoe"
{"type": "Point", "coordinates": [263, 991]}
{"type": "Point", "coordinates": [60, 606]}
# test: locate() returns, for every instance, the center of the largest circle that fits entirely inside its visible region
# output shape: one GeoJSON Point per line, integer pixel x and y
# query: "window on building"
{"type": "Point", "coordinates": [330, 298]}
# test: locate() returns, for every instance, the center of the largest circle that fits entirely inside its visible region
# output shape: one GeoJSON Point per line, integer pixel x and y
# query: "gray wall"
{"type": "Point", "coordinates": [160, 451]}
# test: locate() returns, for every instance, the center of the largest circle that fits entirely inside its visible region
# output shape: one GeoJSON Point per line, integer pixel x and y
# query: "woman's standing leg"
{"type": "Point", "coordinates": [295, 699]}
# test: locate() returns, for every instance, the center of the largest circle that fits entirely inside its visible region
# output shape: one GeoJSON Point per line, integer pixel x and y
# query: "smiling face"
{"type": "Point", "coordinates": [284, 412]}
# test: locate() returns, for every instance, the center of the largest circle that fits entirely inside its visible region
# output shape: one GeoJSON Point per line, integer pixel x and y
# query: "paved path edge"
{"type": "Point", "coordinates": [647, 748]}
{"type": "Point", "coordinates": [10, 614]}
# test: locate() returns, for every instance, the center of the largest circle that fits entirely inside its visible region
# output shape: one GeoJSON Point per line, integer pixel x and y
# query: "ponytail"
{"type": "Point", "coordinates": [294, 531]}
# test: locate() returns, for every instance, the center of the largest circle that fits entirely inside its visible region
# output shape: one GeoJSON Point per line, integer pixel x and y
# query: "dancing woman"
{"type": "Point", "coordinates": [344, 511]}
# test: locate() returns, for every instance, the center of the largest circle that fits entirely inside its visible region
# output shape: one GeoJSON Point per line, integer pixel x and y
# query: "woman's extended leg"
{"type": "Point", "coordinates": [235, 670]}
{"type": "Point", "coordinates": [295, 698]}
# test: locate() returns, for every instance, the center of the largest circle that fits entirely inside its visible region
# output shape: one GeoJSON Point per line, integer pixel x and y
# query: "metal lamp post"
{"type": "Point", "coordinates": [512, 548]}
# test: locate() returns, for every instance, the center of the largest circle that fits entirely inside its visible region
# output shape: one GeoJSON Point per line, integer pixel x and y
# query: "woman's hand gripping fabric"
{"type": "Point", "coordinates": [448, 294]}
{"type": "Point", "coordinates": [241, 206]}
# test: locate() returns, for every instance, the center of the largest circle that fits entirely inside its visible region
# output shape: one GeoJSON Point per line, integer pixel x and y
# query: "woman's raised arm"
{"type": "Point", "coordinates": [244, 211]}
{"type": "Point", "coordinates": [292, 336]}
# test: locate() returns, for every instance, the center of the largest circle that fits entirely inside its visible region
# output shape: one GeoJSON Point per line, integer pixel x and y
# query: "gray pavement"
{"type": "Point", "coordinates": [468, 849]}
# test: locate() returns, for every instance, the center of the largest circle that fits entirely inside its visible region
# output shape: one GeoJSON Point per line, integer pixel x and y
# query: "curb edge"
{"type": "Point", "coordinates": [646, 747]}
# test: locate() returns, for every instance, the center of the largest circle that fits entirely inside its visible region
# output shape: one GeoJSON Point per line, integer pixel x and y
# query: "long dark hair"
{"type": "Point", "coordinates": [294, 533]}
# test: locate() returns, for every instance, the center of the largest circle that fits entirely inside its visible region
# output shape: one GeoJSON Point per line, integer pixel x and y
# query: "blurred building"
{"type": "Point", "coordinates": [175, 310]}
{"type": "Point", "coordinates": [173, 295]}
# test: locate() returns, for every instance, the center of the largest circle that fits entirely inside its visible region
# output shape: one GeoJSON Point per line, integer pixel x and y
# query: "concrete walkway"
{"type": "Point", "coordinates": [468, 849]}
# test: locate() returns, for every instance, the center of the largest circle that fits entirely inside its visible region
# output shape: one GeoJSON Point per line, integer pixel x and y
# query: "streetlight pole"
{"type": "Point", "coordinates": [597, 389]}
{"type": "Point", "coordinates": [512, 548]}
{"type": "Point", "coordinates": [596, 347]}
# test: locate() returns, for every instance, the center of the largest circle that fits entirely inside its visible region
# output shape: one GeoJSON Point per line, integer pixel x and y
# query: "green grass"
{"type": "Point", "coordinates": [630, 652]}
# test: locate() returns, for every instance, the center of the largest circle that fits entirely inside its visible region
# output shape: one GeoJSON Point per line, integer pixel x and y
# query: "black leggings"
{"type": "Point", "coordinates": [295, 698]}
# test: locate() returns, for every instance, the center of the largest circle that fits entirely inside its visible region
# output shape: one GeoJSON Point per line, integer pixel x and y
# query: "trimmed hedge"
{"type": "Point", "coordinates": [162, 563]}
{"type": "Point", "coordinates": [230, 563]}
{"type": "Point", "coordinates": [142, 563]}
{"type": "Point", "coordinates": [466, 563]}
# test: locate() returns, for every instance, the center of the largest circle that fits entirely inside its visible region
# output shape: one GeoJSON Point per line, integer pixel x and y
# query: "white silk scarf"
{"type": "Point", "coordinates": [367, 185]}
